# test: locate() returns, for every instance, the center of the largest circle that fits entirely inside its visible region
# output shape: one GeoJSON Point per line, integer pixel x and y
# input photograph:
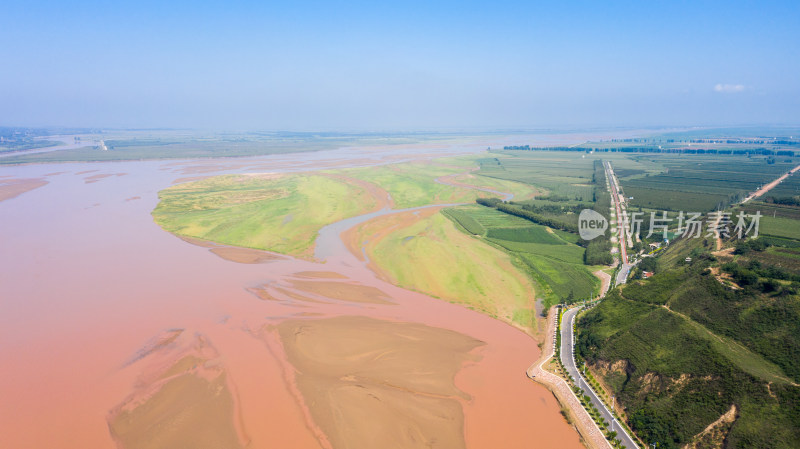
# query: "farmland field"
{"type": "Point", "coordinates": [773, 210]}
{"type": "Point", "coordinates": [788, 188]}
{"type": "Point", "coordinates": [787, 259]}
{"type": "Point", "coordinates": [700, 183]}
{"type": "Point", "coordinates": [532, 234]}
{"type": "Point", "coordinates": [561, 173]}
{"type": "Point", "coordinates": [673, 200]}
{"type": "Point", "coordinates": [780, 227]}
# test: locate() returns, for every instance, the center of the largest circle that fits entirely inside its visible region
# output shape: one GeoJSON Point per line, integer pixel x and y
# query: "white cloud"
{"type": "Point", "coordinates": [729, 88]}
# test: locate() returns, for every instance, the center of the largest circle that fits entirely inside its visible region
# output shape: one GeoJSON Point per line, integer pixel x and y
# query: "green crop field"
{"type": "Point", "coordinates": [465, 220]}
{"type": "Point", "coordinates": [276, 213]}
{"type": "Point", "coordinates": [532, 234]}
{"type": "Point", "coordinates": [658, 199]}
{"type": "Point", "coordinates": [561, 173]}
{"type": "Point", "coordinates": [790, 187]}
{"type": "Point", "coordinates": [572, 254]}
{"type": "Point", "coordinates": [788, 259]}
{"type": "Point", "coordinates": [492, 218]}
{"type": "Point", "coordinates": [780, 227]}
{"type": "Point", "coordinates": [566, 174]}
{"type": "Point", "coordinates": [773, 210]}
{"type": "Point", "coordinates": [700, 183]}
{"type": "Point", "coordinates": [560, 279]}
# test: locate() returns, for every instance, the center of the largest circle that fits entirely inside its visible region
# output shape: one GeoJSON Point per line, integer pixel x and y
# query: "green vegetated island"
{"type": "Point", "coordinates": [483, 244]}
{"type": "Point", "coordinates": [701, 347]}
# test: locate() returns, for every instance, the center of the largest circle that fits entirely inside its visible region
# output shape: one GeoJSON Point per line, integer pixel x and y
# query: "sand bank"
{"type": "Point", "coordinates": [10, 188]}
{"type": "Point", "coordinates": [397, 376]}
{"type": "Point", "coordinates": [182, 401]}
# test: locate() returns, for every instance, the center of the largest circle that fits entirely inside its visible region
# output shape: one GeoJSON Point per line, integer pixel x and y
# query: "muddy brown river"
{"type": "Point", "coordinates": [115, 333]}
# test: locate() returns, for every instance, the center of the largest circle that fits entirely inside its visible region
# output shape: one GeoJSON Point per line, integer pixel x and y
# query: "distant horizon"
{"type": "Point", "coordinates": [417, 65]}
{"type": "Point", "coordinates": [440, 130]}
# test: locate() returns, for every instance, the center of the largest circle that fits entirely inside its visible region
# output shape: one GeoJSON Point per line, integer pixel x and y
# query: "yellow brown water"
{"type": "Point", "coordinates": [111, 328]}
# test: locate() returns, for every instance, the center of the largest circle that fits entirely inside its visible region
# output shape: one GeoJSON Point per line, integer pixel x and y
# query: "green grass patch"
{"type": "Point", "coordinates": [532, 234]}
{"type": "Point", "coordinates": [780, 227]}
{"type": "Point", "coordinates": [275, 213]}
{"type": "Point", "coordinates": [435, 257]}
{"type": "Point", "coordinates": [465, 220]}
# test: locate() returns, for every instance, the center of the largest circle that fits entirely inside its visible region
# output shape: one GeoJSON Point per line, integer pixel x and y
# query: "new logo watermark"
{"type": "Point", "coordinates": [591, 224]}
{"type": "Point", "coordinates": [718, 224]}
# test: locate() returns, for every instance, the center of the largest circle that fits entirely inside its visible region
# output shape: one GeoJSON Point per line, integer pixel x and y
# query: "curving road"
{"type": "Point", "coordinates": [568, 359]}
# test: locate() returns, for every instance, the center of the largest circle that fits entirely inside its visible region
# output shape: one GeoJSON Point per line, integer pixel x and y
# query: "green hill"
{"type": "Point", "coordinates": [699, 339]}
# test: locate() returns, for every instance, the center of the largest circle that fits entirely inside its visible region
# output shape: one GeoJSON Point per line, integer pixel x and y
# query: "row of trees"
{"type": "Point", "coordinates": [518, 211]}
{"type": "Point", "coordinates": [656, 149]}
{"type": "Point", "coordinates": [785, 201]}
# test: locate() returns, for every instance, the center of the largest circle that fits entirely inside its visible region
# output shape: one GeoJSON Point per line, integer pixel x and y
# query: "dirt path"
{"type": "Point", "coordinates": [752, 196]}
{"type": "Point", "coordinates": [605, 281]}
{"type": "Point", "coordinates": [770, 186]}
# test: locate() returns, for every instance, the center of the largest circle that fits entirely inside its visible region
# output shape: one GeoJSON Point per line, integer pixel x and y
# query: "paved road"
{"type": "Point", "coordinates": [622, 226]}
{"type": "Point", "coordinates": [568, 359]}
{"type": "Point", "coordinates": [587, 427]}
{"type": "Point", "coordinates": [621, 220]}
{"type": "Point", "coordinates": [622, 274]}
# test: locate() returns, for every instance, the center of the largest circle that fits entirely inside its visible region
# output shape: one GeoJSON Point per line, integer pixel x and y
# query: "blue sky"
{"type": "Point", "coordinates": [405, 66]}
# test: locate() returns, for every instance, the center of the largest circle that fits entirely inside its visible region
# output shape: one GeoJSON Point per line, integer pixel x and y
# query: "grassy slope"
{"type": "Point", "coordinates": [692, 348]}
{"type": "Point", "coordinates": [276, 213]}
{"type": "Point", "coordinates": [434, 257]}
{"type": "Point", "coordinates": [780, 227]}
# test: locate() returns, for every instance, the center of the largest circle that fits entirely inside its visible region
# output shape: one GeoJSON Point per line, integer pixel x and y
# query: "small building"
{"type": "Point", "coordinates": [687, 260]}
{"type": "Point", "coordinates": [647, 274]}
{"type": "Point", "coordinates": [655, 245]}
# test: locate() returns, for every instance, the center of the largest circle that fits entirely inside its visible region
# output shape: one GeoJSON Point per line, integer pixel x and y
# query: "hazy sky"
{"type": "Point", "coordinates": [411, 65]}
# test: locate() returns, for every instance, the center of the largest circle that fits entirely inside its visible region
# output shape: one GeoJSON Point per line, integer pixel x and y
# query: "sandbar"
{"type": "Point", "coordinates": [10, 188]}
{"type": "Point", "coordinates": [371, 383]}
